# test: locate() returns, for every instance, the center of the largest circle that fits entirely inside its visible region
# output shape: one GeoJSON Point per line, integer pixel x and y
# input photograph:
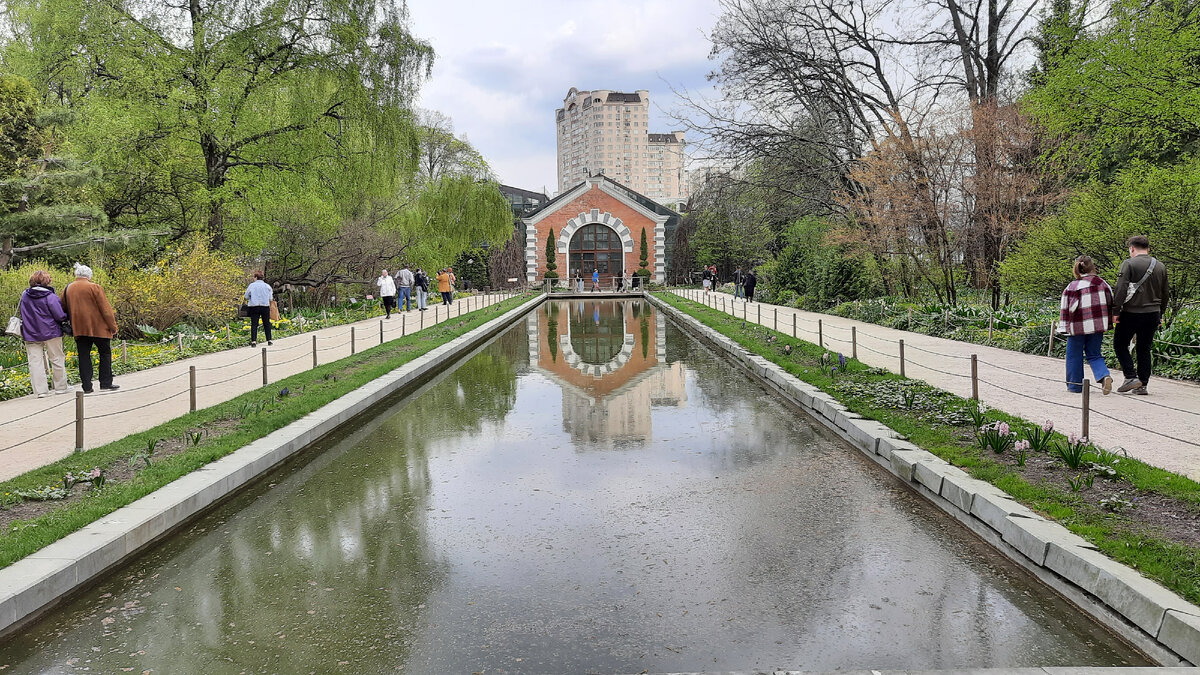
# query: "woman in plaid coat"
{"type": "Point", "coordinates": [1085, 315]}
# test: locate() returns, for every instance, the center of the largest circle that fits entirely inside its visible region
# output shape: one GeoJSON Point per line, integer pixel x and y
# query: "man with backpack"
{"type": "Point", "coordinates": [1139, 302]}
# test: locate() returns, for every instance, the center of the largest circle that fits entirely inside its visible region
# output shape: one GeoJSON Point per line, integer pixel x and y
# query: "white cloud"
{"type": "Point", "coordinates": [503, 68]}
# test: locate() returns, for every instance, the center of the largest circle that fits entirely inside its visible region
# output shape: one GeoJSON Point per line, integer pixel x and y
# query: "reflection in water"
{"type": "Point", "coordinates": [611, 364]}
{"type": "Point", "coordinates": [529, 513]}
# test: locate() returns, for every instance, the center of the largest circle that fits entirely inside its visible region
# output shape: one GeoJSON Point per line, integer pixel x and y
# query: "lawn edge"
{"type": "Point", "coordinates": [1153, 618]}
{"type": "Point", "coordinates": [37, 582]}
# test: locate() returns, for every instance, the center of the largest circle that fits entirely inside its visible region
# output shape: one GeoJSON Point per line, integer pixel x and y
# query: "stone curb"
{"type": "Point", "coordinates": [1160, 622]}
{"type": "Point", "coordinates": [1049, 670]}
{"type": "Point", "coordinates": [35, 583]}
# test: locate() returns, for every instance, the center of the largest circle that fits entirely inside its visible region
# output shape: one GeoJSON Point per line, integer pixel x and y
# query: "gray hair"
{"type": "Point", "coordinates": [82, 270]}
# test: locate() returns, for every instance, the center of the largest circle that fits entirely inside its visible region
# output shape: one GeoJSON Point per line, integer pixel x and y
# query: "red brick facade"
{"type": "Point", "coordinates": [590, 203]}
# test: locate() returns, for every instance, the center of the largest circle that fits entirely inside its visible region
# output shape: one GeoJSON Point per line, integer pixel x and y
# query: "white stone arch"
{"type": "Point", "coordinates": [589, 218]}
{"type": "Point", "coordinates": [597, 371]}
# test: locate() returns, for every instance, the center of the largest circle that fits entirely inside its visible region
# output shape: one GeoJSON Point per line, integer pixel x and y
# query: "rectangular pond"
{"type": "Point", "coordinates": [593, 492]}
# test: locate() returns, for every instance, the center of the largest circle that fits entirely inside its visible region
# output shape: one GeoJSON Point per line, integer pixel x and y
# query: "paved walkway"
{"type": "Point", "coordinates": [1025, 385]}
{"type": "Point", "coordinates": [37, 431]}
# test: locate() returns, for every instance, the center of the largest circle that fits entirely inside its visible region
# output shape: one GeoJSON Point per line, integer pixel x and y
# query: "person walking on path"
{"type": "Point", "coordinates": [453, 283]}
{"type": "Point", "coordinates": [750, 282]}
{"type": "Point", "coordinates": [405, 280]}
{"type": "Point", "coordinates": [421, 282]}
{"type": "Point", "coordinates": [1084, 316]}
{"type": "Point", "coordinates": [1139, 304]}
{"type": "Point", "coordinates": [94, 324]}
{"type": "Point", "coordinates": [579, 282]}
{"type": "Point", "coordinates": [738, 280]}
{"type": "Point", "coordinates": [42, 316]}
{"type": "Point", "coordinates": [258, 299]}
{"type": "Point", "coordinates": [707, 279]}
{"type": "Point", "coordinates": [595, 280]}
{"type": "Point", "coordinates": [443, 282]}
{"type": "Point", "coordinates": [387, 292]}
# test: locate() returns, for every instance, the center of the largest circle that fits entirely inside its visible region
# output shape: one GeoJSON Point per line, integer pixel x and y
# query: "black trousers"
{"type": "Point", "coordinates": [389, 303]}
{"type": "Point", "coordinates": [1143, 326]}
{"type": "Point", "coordinates": [257, 314]}
{"type": "Point", "coordinates": [104, 349]}
{"type": "Point", "coordinates": [447, 297]}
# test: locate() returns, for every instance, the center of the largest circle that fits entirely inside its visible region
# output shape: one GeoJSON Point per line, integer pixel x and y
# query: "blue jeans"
{"type": "Point", "coordinates": [737, 291]}
{"type": "Point", "coordinates": [1080, 347]}
{"type": "Point", "coordinates": [405, 298]}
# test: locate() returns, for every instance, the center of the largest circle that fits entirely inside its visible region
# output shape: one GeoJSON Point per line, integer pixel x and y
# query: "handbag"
{"type": "Point", "coordinates": [274, 311]}
{"type": "Point", "coordinates": [14, 326]}
{"type": "Point", "coordinates": [243, 311]}
{"type": "Point", "coordinates": [65, 324]}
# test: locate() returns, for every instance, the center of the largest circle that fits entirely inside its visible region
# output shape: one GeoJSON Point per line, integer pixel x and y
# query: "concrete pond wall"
{"type": "Point", "coordinates": [1154, 619]}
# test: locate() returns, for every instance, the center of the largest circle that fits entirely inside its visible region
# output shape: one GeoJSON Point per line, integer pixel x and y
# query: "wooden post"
{"type": "Point", "coordinates": [79, 421]}
{"type": "Point", "coordinates": [381, 328]}
{"type": "Point", "coordinates": [314, 337]}
{"type": "Point", "coordinates": [759, 322]}
{"type": "Point", "coordinates": [403, 325]}
{"type": "Point", "coordinates": [324, 315]}
{"type": "Point", "coordinates": [854, 342]}
{"type": "Point", "coordinates": [1087, 405]}
{"type": "Point", "coordinates": [910, 318]}
{"type": "Point", "coordinates": [192, 388]}
{"type": "Point", "coordinates": [775, 318]}
{"type": "Point", "coordinates": [264, 365]}
{"type": "Point", "coordinates": [124, 353]}
{"type": "Point", "coordinates": [352, 345]}
{"type": "Point", "coordinates": [228, 335]}
{"type": "Point", "coordinates": [793, 324]}
{"type": "Point", "coordinates": [1050, 342]}
{"type": "Point", "coordinates": [821, 333]}
{"type": "Point", "coordinates": [991, 325]}
{"type": "Point", "coordinates": [421, 321]}
{"type": "Point", "coordinates": [974, 377]}
{"type": "Point", "coordinates": [179, 339]}
{"type": "Point", "coordinates": [902, 358]}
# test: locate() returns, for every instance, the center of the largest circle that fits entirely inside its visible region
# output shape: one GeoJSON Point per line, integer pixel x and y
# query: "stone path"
{"type": "Point", "coordinates": [1159, 429]}
{"type": "Point", "coordinates": [37, 431]}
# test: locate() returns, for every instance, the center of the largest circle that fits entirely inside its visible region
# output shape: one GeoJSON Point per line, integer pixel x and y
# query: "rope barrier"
{"type": "Point", "coordinates": [231, 379]}
{"type": "Point", "coordinates": [155, 384]}
{"type": "Point", "coordinates": [306, 355]}
{"type": "Point", "coordinates": [226, 365]}
{"type": "Point", "coordinates": [922, 365]}
{"type": "Point", "coordinates": [1147, 430]}
{"type": "Point", "coordinates": [930, 351]}
{"type": "Point", "coordinates": [1025, 395]}
{"type": "Point", "coordinates": [41, 435]}
{"type": "Point", "coordinates": [39, 412]}
{"type": "Point", "coordinates": [145, 405]}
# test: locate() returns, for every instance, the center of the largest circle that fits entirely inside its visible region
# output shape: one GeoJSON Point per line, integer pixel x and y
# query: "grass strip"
{"type": "Point", "coordinates": [1173, 564]}
{"type": "Point", "coordinates": [309, 391]}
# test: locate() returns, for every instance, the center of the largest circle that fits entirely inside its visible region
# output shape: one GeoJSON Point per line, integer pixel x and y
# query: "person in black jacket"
{"type": "Point", "coordinates": [421, 281]}
{"type": "Point", "coordinates": [1139, 301]}
{"type": "Point", "coordinates": [750, 282]}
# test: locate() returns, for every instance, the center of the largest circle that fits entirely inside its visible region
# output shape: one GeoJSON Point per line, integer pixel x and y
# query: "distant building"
{"type": "Point", "coordinates": [598, 226]}
{"type": "Point", "coordinates": [608, 132]}
{"type": "Point", "coordinates": [523, 202]}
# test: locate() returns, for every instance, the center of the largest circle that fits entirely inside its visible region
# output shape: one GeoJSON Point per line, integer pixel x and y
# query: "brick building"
{"type": "Point", "coordinates": [598, 225]}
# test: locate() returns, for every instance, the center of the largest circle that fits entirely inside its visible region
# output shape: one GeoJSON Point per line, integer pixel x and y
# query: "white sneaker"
{"type": "Point", "coordinates": [43, 395]}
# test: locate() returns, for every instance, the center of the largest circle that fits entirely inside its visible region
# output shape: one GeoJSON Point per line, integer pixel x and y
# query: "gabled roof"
{"type": "Point", "coordinates": [638, 199]}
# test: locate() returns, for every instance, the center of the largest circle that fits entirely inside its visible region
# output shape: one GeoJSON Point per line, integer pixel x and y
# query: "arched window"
{"type": "Point", "coordinates": [596, 247]}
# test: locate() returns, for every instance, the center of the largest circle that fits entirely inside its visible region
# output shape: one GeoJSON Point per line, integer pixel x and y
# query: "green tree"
{"type": "Point", "coordinates": [551, 266]}
{"type": "Point", "coordinates": [219, 111]}
{"type": "Point", "coordinates": [1142, 199]}
{"type": "Point", "coordinates": [644, 259]}
{"type": "Point", "coordinates": [43, 189]}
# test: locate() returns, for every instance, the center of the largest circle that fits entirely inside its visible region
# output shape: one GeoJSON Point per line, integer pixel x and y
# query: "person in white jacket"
{"type": "Point", "coordinates": [387, 292]}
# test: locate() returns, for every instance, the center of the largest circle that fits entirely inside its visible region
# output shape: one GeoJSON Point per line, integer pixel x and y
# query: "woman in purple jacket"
{"type": "Point", "coordinates": [41, 327]}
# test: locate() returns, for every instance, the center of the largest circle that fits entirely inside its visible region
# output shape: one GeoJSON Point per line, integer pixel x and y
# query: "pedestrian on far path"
{"type": "Point", "coordinates": [387, 292]}
{"type": "Point", "coordinates": [579, 282]}
{"type": "Point", "coordinates": [42, 318]}
{"type": "Point", "coordinates": [443, 282]}
{"type": "Point", "coordinates": [738, 280]}
{"type": "Point", "coordinates": [1084, 315]}
{"type": "Point", "coordinates": [595, 280]}
{"type": "Point", "coordinates": [94, 324]}
{"type": "Point", "coordinates": [1139, 304]}
{"type": "Point", "coordinates": [405, 281]}
{"type": "Point", "coordinates": [421, 283]}
{"type": "Point", "coordinates": [706, 279]}
{"type": "Point", "coordinates": [258, 298]}
{"type": "Point", "coordinates": [750, 282]}
{"type": "Point", "coordinates": [453, 283]}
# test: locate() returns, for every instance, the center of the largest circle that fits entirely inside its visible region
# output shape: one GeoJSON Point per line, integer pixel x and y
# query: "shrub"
{"type": "Point", "coordinates": [14, 281]}
{"type": "Point", "coordinates": [189, 283]}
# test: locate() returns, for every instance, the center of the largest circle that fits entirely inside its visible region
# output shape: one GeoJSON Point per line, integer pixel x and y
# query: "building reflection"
{"type": "Point", "coordinates": [609, 357]}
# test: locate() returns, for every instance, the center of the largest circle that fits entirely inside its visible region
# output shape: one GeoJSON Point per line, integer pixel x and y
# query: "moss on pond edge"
{"type": "Point", "coordinates": [1174, 564]}
{"type": "Point", "coordinates": [308, 391]}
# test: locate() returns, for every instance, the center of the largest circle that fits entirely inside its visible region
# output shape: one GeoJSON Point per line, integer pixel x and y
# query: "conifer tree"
{"type": "Point", "coordinates": [551, 266]}
{"type": "Point", "coordinates": [645, 257]}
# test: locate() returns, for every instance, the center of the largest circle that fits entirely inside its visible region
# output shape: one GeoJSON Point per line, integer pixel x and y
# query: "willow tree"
{"type": "Point", "coordinates": [199, 109]}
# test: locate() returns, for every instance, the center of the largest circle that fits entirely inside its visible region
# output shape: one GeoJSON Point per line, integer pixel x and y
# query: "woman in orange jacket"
{"type": "Point", "coordinates": [443, 282]}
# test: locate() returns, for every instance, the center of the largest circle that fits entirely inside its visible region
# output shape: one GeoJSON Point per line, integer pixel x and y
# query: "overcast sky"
{"type": "Point", "coordinates": [503, 68]}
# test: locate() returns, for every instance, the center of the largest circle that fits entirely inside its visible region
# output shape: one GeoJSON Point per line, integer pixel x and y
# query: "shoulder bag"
{"type": "Point", "coordinates": [14, 326]}
{"type": "Point", "coordinates": [65, 325]}
{"type": "Point", "coordinates": [1132, 289]}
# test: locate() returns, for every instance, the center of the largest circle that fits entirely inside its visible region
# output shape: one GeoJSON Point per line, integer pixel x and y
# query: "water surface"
{"type": "Point", "coordinates": [594, 492]}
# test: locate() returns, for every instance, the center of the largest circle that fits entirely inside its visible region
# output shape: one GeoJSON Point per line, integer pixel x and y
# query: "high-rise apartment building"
{"type": "Point", "coordinates": [608, 132]}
